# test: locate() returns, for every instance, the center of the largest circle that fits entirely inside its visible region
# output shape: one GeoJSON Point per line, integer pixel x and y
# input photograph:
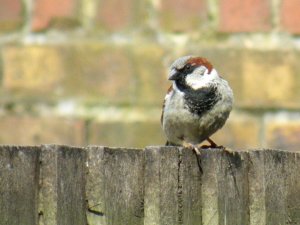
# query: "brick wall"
{"type": "Point", "coordinates": [94, 71]}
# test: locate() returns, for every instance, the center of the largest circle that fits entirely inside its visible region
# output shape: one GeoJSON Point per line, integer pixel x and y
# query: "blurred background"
{"type": "Point", "coordinates": [95, 71]}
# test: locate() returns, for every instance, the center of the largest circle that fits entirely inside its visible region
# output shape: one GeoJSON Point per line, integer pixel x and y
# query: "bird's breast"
{"type": "Point", "coordinates": [195, 117]}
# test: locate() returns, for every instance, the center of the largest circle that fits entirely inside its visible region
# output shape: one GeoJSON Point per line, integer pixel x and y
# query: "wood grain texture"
{"type": "Point", "coordinates": [71, 203]}
{"type": "Point", "coordinates": [123, 188]}
{"type": "Point", "coordinates": [292, 174]}
{"type": "Point", "coordinates": [19, 174]}
{"type": "Point", "coordinates": [116, 183]}
{"type": "Point", "coordinates": [95, 185]}
{"type": "Point", "coordinates": [190, 177]}
{"type": "Point", "coordinates": [210, 161]}
{"type": "Point", "coordinates": [161, 185]}
{"type": "Point", "coordinates": [256, 179]}
{"type": "Point", "coordinates": [275, 186]}
{"type": "Point", "coordinates": [48, 186]}
{"type": "Point", "coordinates": [62, 185]}
{"type": "Point", "coordinates": [233, 189]}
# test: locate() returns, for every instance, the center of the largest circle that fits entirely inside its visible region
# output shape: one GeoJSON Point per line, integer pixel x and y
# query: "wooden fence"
{"type": "Point", "coordinates": [64, 185]}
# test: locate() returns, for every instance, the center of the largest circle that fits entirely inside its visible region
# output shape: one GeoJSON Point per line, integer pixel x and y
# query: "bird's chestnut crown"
{"type": "Point", "coordinates": [186, 65]}
{"type": "Point", "coordinates": [200, 61]}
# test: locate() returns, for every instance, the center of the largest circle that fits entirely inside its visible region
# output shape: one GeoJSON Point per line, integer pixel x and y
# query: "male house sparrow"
{"type": "Point", "coordinates": [196, 105]}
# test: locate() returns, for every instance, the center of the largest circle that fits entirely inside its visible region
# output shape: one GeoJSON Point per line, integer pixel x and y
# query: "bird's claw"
{"type": "Point", "coordinates": [212, 145]}
{"type": "Point", "coordinates": [196, 150]}
{"type": "Point", "coordinates": [192, 147]}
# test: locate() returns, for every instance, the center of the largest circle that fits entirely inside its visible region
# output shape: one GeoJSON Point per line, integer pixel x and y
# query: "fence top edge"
{"type": "Point", "coordinates": [113, 147]}
{"type": "Point", "coordinates": [148, 148]}
{"type": "Point", "coordinates": [241, 150]}
{"type": "Point", "coordinates": [19, 147]}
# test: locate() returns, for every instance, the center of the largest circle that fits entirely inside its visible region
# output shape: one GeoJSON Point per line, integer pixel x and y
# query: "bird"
{"type": "Point", "coordinates": [196, 105]}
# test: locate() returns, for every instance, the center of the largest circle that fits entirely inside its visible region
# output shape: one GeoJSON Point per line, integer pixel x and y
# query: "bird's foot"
{"type": "Point", "coordinates": [195, 148]}
{"type": "Point", "coordinates": [212, 145]}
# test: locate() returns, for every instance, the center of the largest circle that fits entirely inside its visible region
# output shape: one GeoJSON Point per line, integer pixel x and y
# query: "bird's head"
{"type": "Point", "coordinates": [192, 72]}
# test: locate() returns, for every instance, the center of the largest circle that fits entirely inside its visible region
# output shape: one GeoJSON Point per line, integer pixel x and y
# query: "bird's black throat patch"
{"type": "Point", "coordinates": [202, 100]}
{"type": "Point", "coordinates": [199, 101]}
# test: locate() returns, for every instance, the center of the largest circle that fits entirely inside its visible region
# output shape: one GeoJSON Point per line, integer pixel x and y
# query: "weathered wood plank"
{"type": "Point", "coordinates": [19, 173]}
{"type": "Point", "coordinates": [292, 173]}
{"type": "Point", "coordinates": [275, 187]}
{"type": "Point", "coordinates": [233, 189]}
{"type": "Point", "coordinates": [256, 179]}
{"type": "Point", "coordinates": [95, 186]}
{"type": "Point", "coordinates": [210, 161]}
{"type": "Point", "coordinates": [123, 188]}
{"type": "Point", "coordinates": [152, 186]}
{"type": "Point", "coordinates": [161, 185]}
{"type": "Point", "coordinates": [121, 185]}
{"type": "Point", "coordinates": [62, 180]}
{"type": "Point", "coordinates": [71, 186]}
{"type": "Point", "coordinates": [48, 186]}
{"type": "Point", "coordinates": [190, 201]}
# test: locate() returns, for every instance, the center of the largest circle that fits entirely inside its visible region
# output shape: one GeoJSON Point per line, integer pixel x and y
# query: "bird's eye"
{"type": "Point", "coordinates": [187, 67]}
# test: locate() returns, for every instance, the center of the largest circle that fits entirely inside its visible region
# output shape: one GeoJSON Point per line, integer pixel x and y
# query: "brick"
{"type": "Point", "coordinates": [290, 17]}
{"type": "Point", "coordinates": [241, 131]}
{"type": "Point", "coordinates": [126, 134]}
{"type": "Point", "coordinates": [100, 73]}
{"type": "Point", "coordinates": [152, 82]}
{"type": "Point", "coordinates": [182, 16]}
{"type": "Point", "coordinates": [32, 69]}
{"type": "Point", "coordinates": [283, 133]}
{"type": "Point", "coordinates": [27, 130]}
{"type": "Point", "coordinates": [270, 80]}
{"type": "Point", "coordinates": [10, 14]}
{"type": "Point", "coordinates": [54, 13]}
{"type": "Point", "coordinates": [117, 15]}
{"type": "Point", "coordinates": [245, 16]}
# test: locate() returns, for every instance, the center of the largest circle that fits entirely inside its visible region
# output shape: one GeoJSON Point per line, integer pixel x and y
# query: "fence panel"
{"type": "Point", "coordinates": [54, 184]}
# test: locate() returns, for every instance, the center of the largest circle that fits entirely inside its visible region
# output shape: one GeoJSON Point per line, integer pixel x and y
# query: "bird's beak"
{"type": "Point", "coordinates": [175, 75]}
